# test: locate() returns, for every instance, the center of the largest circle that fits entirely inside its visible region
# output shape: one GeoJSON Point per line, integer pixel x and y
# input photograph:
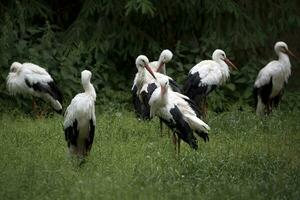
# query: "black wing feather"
{"type": "Point", "coordinates": [175, 86]}
{"type": "Point", "coordinates": [71, 134]}
{"type": "Point", "coordinates": [193, 86]}
{"type": "Point", "coordinates": [90, 139]}
{"type": "Point", "coordinates": [137, 104]}
{"type": "Point", "coordinates": [49, 88]}
{"type": "Point", "coordinates": [183, 130]}
{"type": "Point", "coordinates": [264, 92]}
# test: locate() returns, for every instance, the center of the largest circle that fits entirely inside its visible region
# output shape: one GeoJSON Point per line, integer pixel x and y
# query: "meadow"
{"type": "Point", "coordinates": [246, 158]}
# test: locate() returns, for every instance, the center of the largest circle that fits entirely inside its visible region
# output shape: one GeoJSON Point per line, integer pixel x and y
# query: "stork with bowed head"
{"type": "Point", "coordinates": [144, 84]}
{"type": "Point", "coordinates": [270, 82]}
{"type": "Point", "coordinates": [179, 113]}
{"type": "Point", "coordinates": [160, 65]}
{"type": "Point", "coordinates": [31, 79]}
{"type": "Point", "coordinates": [207, 75]}
{"type": "Point", "coordinates": [141, 77]}
{"type": "Point", "coordinates": [80, 119]}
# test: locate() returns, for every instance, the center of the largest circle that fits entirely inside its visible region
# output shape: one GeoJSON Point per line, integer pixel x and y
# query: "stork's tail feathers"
{"type": "Point", "coordinates": [203, 135]}
{"type": "Point", "coordinates": [55, 92]}
{"type": "Point", "coordinates": [198, 124]}
{"type": "Point", "coordinates": [57, 106]}
{"type": "Point", "coordinates": [193, 144]}
{"type": "Point", "coordinates": [260, 108]}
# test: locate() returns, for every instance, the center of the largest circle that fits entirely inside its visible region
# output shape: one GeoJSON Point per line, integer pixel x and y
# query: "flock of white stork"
{"type": "Point", "coordinates": [154, 94]}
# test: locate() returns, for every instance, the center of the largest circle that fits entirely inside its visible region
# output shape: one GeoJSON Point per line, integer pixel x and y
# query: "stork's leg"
{"type": "Point", "coordinates": [161, 127]}
{"type": "Point", "coordinates": [174, 140]}
{"type": "Point", "coordinates": [269, 109]}
{"type": "Point", "coordinates": [178, 147]}
{"type": "Point", "coordinates": [33, 104]}
{"type": "Point", "coordinates": [43, 112]}
{"type": "Point", "coordinates": [205, 108]}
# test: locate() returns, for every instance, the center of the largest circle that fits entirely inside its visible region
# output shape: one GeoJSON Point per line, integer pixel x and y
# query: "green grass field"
{"type": "Point", "coordinates": [246, 158]}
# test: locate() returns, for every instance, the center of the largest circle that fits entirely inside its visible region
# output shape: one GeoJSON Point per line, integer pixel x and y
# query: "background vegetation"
{"type": "Point", "coordinates": [247, 157]}
{"type": "Point", "coordinates": [106, 36]}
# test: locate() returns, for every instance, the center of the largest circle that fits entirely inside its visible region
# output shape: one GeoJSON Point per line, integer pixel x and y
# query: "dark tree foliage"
{"type": "Point", "coordinates": [105, 36]}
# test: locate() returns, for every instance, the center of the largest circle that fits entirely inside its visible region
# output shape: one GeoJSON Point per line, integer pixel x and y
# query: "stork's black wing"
{"type": "Point", "coordinates": [175, 86]}
{"type": "Point", "coordinates": [90, 139]}
{"type": "Point", "coordinates": [183, 130]}
{"type": "Point", "coordinates": [264, 92]}
{"type": "Point", "coordinates": [137, 104]}
{"type": "Point", "coordinates": [194, 87]}
{"type": "Point", "coordinates": [49, 88]}
{"type": "Point", "coordinates": [146, 95]}
{"type": "Point", "coordinates": [71, 134]}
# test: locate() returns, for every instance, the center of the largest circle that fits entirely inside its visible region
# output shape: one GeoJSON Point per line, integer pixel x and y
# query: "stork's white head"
{"type": "Point", "coordinates": [164, 84]}
{"type": "Point", "coordinates": [282, 47]}
{"type": "Point", "coordinates": [86, 76]}
{"type": "Point", "coordinates": [166, 56]}
{"type": "Point", "coordinates": [219, 55]}
{"type": "Point", "coordinates": [142, 62]}
{"type": "Point", "coordinates": [15, 67]}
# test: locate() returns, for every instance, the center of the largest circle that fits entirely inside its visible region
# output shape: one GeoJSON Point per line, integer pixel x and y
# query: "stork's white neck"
{"type": "Point", "coordinates": [164, 97]}
{"type": "Point", "coordinates": [161, 67]}
{"type": "Point", "coordinates": [284, 59]}
{"type": "Point", "coordinates": [224, 69]}
{"type": "Point", "coordinates": [141, 75]}
{"type": "Point", "coordinates": [89, 89]}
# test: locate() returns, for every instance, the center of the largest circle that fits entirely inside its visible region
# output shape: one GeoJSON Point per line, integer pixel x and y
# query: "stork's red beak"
{"type": "Point", "coordinates": [160, 66]}
{"type": "Point", "coordinates": [228, 62]}
{"type": "Point", "coordinates": [291, 54]}
{"type": "Point", "coordinates": [150, 71]}
{"type": "Point", "coordinates": [163, 90]}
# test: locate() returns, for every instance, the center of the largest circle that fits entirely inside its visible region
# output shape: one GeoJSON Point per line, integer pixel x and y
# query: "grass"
{"type": "Point", "coordinates": [246, 158]}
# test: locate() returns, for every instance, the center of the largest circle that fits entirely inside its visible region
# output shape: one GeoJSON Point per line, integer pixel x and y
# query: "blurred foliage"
{"type": "Point", "coordinates": [105, 36]}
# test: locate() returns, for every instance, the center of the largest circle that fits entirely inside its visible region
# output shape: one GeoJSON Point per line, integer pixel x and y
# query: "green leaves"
{"type": "Point", "coordinates": [145, 7]}
{"type": "Point", "coordinates": [106, 36]}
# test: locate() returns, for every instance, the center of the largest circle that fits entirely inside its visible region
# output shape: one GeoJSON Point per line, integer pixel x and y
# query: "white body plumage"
{"type": "Point", "coordinates": [160, 105]}
{"type": "Point", "coordinates": [271, 79]}
{"type": "Point", "coordinates": [179, 113]}
{"type": "Point", "coordinates": [80, 118]}
{"type": "Point", "coordinates": [31, 79]}
{"type": "Point", "coordinates": [212, 72]}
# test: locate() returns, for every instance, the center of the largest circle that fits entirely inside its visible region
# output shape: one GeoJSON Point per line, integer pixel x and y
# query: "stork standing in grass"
{"type": "Point", "coordinates": [80, 119]}
{"type": "Point", "coordinates": [179, 113]}
{"type": "Point", "coordinates": [31, 79]}
{"type": "Point", "coordinates": [144, 85]}
{"type": "Point", "coordinates": [270, 82]}
{"type": "Point", "coordinates": [204, 77]}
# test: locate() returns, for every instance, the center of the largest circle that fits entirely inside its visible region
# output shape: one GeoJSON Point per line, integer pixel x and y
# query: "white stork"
{"type": "Point", "coordinates": [160, 65]}
{"type": "Point", "coordinates": [80, 119]}
{"type": "Point", "coordinates": [144, 85]}
{"type": "Point", "coordinates": [179, 113]}
{"type": "Point", "coordinates": [271, 79]}
{"type": "Point", "coordinates": [204, 77]}
{"type": "Point", "coordinates": [31, 79]}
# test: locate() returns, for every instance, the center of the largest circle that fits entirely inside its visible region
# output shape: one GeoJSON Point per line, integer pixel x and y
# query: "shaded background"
{"type": "Point", "coordinates": [105, 36]}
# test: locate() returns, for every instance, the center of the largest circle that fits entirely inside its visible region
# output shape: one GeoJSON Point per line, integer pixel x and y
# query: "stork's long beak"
{"type": "Point", "coordinates": [228, 62]}
{"type": "Point", "coordinates": [160, 66]}
{"type": "Point", "coordinates": [150, 71]}
{"type": "Point", "coordinates": [163, 90]}
{"type": "Point", "coordinates": [291, 54]}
